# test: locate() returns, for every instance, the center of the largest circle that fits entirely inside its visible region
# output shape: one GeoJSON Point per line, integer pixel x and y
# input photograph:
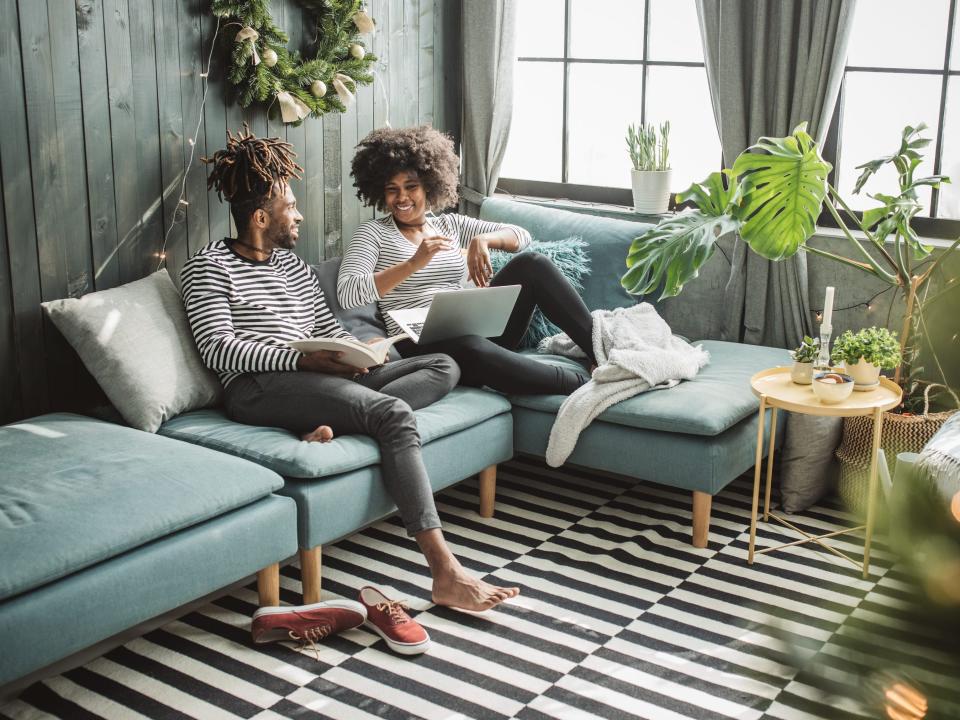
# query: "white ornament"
{"type": "Point", "coordinates": [270, 57]}
{"type": "Point", "coordinates": [364, 22]}
{"type": "Point", "coordinates": [357, 51]}
{"type": "Point", "coordinates": [318, 88]}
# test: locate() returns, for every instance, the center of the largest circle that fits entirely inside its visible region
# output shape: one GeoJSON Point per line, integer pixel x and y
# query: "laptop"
{"type": "Point", "coordinates": [471, 311]}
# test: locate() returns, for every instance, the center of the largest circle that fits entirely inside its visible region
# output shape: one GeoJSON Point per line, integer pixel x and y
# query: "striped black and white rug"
{"type": "Point", "coordinates": [619, 617]}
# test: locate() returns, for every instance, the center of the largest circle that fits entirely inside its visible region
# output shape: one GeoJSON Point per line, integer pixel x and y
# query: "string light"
{"type": "Point", "coordinates": [192, 141]}
{"type": "Point", "coordinates": [868, 304]}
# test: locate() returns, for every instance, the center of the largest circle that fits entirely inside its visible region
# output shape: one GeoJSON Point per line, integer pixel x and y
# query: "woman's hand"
{"type": "Point", "coordinates": [478, 262]}
{"type": "Point", "coordinates": [427, 248]}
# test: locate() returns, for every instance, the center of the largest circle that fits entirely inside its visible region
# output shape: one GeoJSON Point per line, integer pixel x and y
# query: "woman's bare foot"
{"type": "Point", "coordinates": [323, 434]}
{"type": "Point", "coordinates": [457, 589]}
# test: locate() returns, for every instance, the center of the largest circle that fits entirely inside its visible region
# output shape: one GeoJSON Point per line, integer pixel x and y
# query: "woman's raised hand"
{"type": "Point", "coordinates": [478, 262]}
{"type": "Point", "coordinates": [427, 248]}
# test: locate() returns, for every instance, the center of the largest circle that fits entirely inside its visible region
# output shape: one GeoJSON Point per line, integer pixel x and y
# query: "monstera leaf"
{"type": "Point", "coordinates": [783, 190]}
{"type": "Point", "coordinates": [673, 251]}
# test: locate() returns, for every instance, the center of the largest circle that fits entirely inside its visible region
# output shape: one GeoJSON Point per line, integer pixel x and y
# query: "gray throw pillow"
{"type": "Point", "coordinates": [806, 460]}
{"type": "Point", "coordinates": [362, 322]}
{"type": "Point", "coordinates": [136, 342]}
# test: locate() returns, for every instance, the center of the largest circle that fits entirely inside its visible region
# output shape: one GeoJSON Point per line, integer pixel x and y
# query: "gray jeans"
{"type": "Point", "coordinates": [379, 404]}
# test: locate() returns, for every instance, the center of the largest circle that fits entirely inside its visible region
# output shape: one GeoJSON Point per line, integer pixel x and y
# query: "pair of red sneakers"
{"type": "Point", "coordinates": [310, 624]}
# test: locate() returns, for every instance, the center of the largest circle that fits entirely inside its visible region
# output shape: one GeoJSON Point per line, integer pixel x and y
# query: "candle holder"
{"type": "Point", "coordinates": [823, 359]}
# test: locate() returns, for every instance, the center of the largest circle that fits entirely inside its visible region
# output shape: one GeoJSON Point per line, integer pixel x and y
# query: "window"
{"type": "Point", "coordinates": [584, 73]}
{"type": "Point", "coordinates": [903, 68]}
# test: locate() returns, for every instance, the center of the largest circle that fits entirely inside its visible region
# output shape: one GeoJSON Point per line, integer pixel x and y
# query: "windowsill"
{"type": "Point", "coordinates": [832, 232]}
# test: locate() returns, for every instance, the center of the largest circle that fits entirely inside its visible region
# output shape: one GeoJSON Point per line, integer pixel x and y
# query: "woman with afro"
{"type": "Point", "coordinates": [403, 259]}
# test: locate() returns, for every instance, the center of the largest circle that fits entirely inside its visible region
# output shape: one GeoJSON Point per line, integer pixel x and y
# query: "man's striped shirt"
{"type": "Point", "coordinates": [243, 312]}
{"type": "Point", "coordinates": [379, 244]}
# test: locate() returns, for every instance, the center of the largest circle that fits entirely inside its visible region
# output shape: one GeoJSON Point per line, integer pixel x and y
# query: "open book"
{"type": "Point", "coordinates": [355, 352]}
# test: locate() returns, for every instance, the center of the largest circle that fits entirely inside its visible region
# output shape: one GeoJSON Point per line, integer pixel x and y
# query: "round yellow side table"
{"type": "Point", "coordinates": [777, 391]}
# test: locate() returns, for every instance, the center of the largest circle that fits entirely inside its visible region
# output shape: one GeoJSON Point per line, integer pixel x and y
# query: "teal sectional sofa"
{"type": "Point", "coordinates": [119, 525]}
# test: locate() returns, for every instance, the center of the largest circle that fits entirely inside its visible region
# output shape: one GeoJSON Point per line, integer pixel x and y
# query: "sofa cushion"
{"type": "Point", "coordinates": [283, 452]}
{"type": "Point", "coordinates": [136, 342]}
{"type": "Point", "coordinates": [715, 400]}
{"type": "Point", "coordinates": [75, 491]}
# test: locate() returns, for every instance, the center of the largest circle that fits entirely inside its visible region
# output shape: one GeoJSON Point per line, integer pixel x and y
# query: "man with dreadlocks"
{"type": "Point", "coordinates": [248, 296]}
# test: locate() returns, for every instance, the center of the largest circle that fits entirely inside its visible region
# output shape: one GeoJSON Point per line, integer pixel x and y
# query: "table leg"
{"type": "Point", "coordinates": [872, 490]}
{"type": "Point", "coordinates": [756, 479]}
{"type": "Point", "coordinates": [773, 439]}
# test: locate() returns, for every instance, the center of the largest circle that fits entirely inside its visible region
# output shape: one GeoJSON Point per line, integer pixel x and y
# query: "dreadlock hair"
{"type": "Point", "coordinates": [249, 172]}
{"type": "Point", "coordinates": [426, 151]}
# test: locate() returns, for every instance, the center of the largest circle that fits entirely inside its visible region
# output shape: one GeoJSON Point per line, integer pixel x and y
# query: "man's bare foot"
{"type": "Point", "coordinates": [323, 434]}
{"type": "Point", "coordinates": [459, 590]}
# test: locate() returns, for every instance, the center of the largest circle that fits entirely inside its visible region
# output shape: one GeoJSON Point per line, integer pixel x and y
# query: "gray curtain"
{"type": "Point", "coordinates": [771, 64]}
{"type": "Point", "coordinates": [489, 28]}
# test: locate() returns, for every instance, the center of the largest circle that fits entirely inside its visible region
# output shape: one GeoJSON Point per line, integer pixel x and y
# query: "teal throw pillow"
{"type": "Point", "coordinates": [571, 258]}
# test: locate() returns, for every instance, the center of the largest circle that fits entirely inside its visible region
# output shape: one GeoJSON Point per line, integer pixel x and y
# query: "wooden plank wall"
{"type": "Point", "coordinates": [100, 100]}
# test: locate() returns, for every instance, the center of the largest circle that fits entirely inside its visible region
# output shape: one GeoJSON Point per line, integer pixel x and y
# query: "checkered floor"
{"type": "Point", "coordinates": [619, 617]}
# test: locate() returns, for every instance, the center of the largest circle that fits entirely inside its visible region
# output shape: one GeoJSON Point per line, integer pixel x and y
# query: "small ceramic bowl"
{"type": "Point", "coordinates": [832, 387]}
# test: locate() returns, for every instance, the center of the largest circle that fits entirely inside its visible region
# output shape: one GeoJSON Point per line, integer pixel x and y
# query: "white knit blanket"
{"type": "Point", "coordinates": [636, 352]}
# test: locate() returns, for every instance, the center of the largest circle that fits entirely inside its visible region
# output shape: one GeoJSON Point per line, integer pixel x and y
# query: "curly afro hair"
{"type": "Point", "coordinates": [386, 152]}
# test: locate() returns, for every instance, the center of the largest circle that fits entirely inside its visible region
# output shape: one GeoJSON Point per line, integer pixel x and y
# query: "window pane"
{"type": "Point", "coordinates": [604, 99]}
{"type": "Point", "coordinates": [680, 95]}
{"type": "Point", "coordinates": [955, 47]}
{"type": "Point", "coordinates": [949, 206]}
{"type": "Point", "coordinates": [615, 33]}
{"type": "Point", "coordinates": [540, 28]}
{"type": "Point", "coordinates": [674, 31]}
{"type": "Point", "coordinates": [891, 33]}
{"type": "Point", "coordinates": [872, 128]}
{"type": "Point", "coordinates": [534, 151]}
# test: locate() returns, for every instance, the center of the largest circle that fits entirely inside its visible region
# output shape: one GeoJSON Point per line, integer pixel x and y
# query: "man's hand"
{"type": "Point", "coordinates": [328, 361]}
{"type": "Point", "coordinates": [427, 248]}
{"type": "Point", "coordinates": [478, 262]}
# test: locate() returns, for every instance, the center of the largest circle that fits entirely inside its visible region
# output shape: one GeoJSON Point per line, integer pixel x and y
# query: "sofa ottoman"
{"type": "Point", "coordinates": [337, 486]}
{"type": "Point", "coordinates": [116, 526]}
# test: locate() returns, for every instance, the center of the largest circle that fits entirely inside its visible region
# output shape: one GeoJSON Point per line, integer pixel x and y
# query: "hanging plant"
{"type": "Point", "coordinates": [266, 72]}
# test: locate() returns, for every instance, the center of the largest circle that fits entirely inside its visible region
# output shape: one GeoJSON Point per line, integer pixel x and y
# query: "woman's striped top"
{"type": "Point", "coordinates": [378, 244]}
{"type": "Point", "coordinates": [243, 312]}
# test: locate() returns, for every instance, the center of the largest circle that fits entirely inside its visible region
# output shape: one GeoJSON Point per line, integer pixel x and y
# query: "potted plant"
{"type": "Point", "coordinates": [772, 197]}
{"type": "Point", "coordinates": [651, 174]}
{"type": "Point", "coordinates": [866, 353]}
{"type": "Point", "coordinates": [803, 359]}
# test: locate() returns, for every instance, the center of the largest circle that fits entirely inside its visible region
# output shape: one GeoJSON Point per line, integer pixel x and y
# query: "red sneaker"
{"type": "Point", "coordinates": [389, 619]}
{"type": "Point", "coordinates": [306, 623]}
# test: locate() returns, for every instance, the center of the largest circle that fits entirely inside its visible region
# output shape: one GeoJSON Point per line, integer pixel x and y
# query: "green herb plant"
{"type": "Point", "coordinates": [808, 351]}
{"type": "Point", "coordinates": [875, 345]}
{"type": "Point", "coordinates": [646, 151]}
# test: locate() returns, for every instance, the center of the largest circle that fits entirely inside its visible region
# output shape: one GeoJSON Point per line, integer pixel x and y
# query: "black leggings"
{"type": "Point", "coordinates": [493, 361]}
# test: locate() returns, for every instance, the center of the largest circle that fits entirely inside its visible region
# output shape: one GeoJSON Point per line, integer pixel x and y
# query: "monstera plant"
{"type": "Point", "coordinates": [772, 196]}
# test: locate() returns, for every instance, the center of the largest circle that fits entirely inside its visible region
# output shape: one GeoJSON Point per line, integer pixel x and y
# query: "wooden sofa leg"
{"type": "Point", "coordinates": [310, 574]}
{"type": "Point", "coordinates": [701, 518]}
{"type": "Point", "coordinates": [488, 490]}
{"type": "Point", "coordinates": [268, 585]}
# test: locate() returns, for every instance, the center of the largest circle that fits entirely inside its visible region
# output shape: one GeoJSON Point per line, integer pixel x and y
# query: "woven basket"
{"type": "Point", "coordinates": [900, 433]}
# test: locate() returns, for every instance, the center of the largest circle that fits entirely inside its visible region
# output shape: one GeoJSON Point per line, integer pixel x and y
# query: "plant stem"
{"type": "Point", "coordinates": [870, 236]}
{"type": "Point", "coordinates": [907, 318]}
{"type": "Point", "coordinates": [879, 271]}
{"type": "Point", "coordinates": [867, 268]}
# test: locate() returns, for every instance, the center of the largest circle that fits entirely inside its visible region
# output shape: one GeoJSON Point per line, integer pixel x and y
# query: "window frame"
{"type": "Point", "coordinates": [565, 189]}
{"type": "Point", "coordinates": [926, 226]}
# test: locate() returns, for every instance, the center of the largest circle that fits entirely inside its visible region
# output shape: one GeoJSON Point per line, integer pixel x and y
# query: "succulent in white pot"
{"type": "Point", "coordinates": [866, 353]}
{"type": "Point", "coordinates": [651, 174]}
{"type": "Point", "coordinates": [803, 359]}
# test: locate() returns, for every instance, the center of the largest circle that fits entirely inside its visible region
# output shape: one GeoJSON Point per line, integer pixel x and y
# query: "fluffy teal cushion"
{"type": "Point", "coordinates": [570, 257]}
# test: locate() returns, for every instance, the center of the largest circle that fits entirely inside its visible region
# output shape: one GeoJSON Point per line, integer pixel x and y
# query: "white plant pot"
{"type": "Point", "coordinates": [866, 376]}
{"type": "Point", "coordinates": [802, 373]}
{"type": "Point", "coordinates": [651, 191]}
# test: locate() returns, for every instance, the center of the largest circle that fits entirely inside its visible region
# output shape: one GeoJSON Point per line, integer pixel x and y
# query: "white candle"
{"type": "Point", "coordinates": [828, 308]}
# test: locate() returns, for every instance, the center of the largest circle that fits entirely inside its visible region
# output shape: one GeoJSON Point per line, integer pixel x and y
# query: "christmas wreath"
{"type": "Point", "coordinates": [265, 71]}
